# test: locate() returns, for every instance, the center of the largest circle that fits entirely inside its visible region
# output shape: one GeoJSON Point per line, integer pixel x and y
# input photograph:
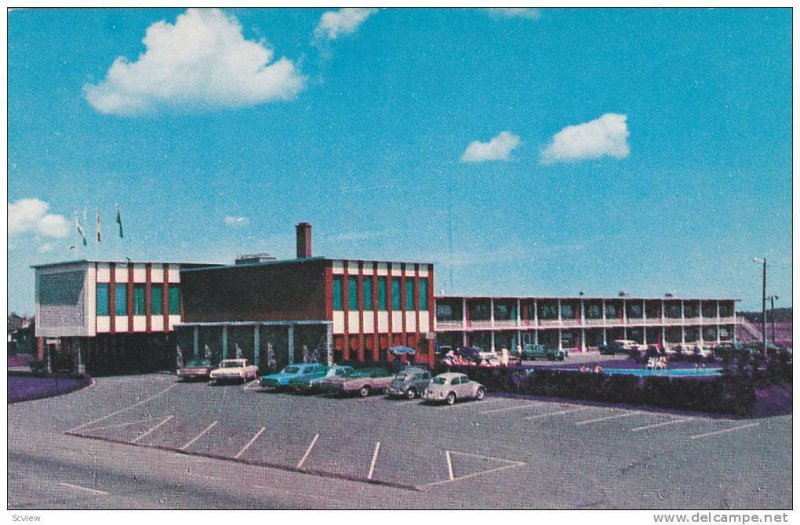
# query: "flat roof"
{"type": "Point", "coordinates": [584, 297]}
{"type": "Point", "coordinates": [106, 261]}
{"type": "Point", "coordinates": [300, 260]}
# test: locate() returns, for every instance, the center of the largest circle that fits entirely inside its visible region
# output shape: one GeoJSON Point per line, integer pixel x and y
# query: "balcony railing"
{"type": "Point", "coordinates": [577, 323]}
{"type": "Point", "coordinates": [449, 325]}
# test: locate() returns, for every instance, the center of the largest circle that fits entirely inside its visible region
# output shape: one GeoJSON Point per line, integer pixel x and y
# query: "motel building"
{"type": "Point", "coordinates": [109, 317]}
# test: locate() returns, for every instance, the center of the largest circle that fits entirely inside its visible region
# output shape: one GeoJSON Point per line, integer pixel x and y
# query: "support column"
{"type": "Point", "coordinates": [492, 340]}
{"type": "Point", "coordinates": [559, 329]}
{"type": "Point", "coordinates": [583, 340]}
{"type": "Point", "coordinates": [225, 342]}
{"type": "Point", "coordinates": [290, 338]}
{"type": "Point", "coordinates": [256, 345]}
{"type": "Point", "coordinates": [329, 344]}
{"type": "Point", "coordinates": [195, 341]}
{"type": "Point", "coordinates": [605, 340]}
{"type": "Point", "coordinates": [77, 361]}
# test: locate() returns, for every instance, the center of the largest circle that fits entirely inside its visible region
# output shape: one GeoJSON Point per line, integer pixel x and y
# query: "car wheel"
{"type": "Point", "coordinates": [480, 394]}
{"type": "Point", "coordinates": [363, 391]}
{"type": "Point", "coordinates": [411, 393]}
{"type": "Point", "coordinates": [451, 398]}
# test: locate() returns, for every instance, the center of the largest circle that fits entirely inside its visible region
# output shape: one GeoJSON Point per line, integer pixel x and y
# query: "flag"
{"type": "Point", "coordinates": [97, 220]}
{"type": "Point", "coordinates": [80, 229]}
{"type": "Point", "coordinates": [119, 221]}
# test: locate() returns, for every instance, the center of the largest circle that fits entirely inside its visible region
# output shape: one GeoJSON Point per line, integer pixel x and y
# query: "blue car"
{"type": "Point", "coordinates": [282, 378]}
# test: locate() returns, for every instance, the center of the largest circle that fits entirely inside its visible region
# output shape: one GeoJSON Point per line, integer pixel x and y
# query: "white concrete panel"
{"type": "Point", "coordinates": [396, 270]}
{"type": "Point", "coordinates": [157, 274]}
{"type": "Point", "coordinates": [139, 273]}
{"type": "Point", "coordinates": [397, 322]}
{"type": "Point", "coordinates": [338, 322]}
{"type": "Point", "coordinates": [337, 267]}
{"type": "Point", "coordinates": [352, 267]}
{"type": "Point", "coordinates": [174, 274]}
{"type": "Point", "coordinates": [173, 320]}
{"type": "Point", "coordinates": [157, 323]}
{"type": "Point", "coordinates": [368, 270]}
{"type": "Point", "coordinates": [423, 270]}
{"type": "Point", "coordinates": [382, 270]}
{"type": "Point", "coordinates": [103, 324]}
{"type": "Point", "coordinates": [411, 322]}
{"type": "Point", "coordinates": [139, 323]}
{"type": "Point", "coordinates": [103, 273]}
{"type": "Point", "coordinates": [353, 324]}
{"type": "Point", "coordinates": [91, 301]}
{"type": "Point", "coordinates": [409, 269]}
{"type": "Point", "coordinates": [369, 323]}
{"type": "Point", "coordinates": [121, 323]}
{"type": "Point", "coordinates": [424, 320]}
{"type": "Point", "coordinates": [383, 322]}
{"type": "Point", "coordinates": [121, 274]}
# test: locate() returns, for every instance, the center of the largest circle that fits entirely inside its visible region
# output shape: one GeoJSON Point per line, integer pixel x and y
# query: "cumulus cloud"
{"type": "Point", "coordinates": [515, 12]}
{"type": "Point", "coordinates": [202, 62]}
{"type": "Point", "coordinates": [606, 136]}
{"type": "Point", "coordinates": [499, 148]}
{"type": "Point", "coordinates": [231, 220]}
{"type": "Point", "coordinates": [332, 24]}
{"type": "Point", "coordinates": [30, 216]}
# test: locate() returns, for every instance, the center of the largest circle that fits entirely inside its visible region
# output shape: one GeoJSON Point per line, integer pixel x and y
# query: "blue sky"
{"type": "Point", "coordinates": [568, 149]}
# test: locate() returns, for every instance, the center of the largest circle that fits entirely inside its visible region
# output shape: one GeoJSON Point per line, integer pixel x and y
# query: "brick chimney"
{"type": "Point", "coordinates": [303, 240]}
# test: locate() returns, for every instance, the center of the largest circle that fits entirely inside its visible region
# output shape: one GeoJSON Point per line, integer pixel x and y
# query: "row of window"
{"type": "Point", "coordinates": [120, 305]}
{"type": "Point", "coordinates": [353, 293]}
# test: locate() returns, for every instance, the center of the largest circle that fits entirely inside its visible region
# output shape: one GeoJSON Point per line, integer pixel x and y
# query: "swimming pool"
{"type": "Point", "coordinates": [669, 372]}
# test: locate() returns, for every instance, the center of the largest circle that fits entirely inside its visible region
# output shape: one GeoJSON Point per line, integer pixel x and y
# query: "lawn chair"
{"type": "Point", "coordinates": [651, 364]}
{"type": "Point", "coordinates": [661, 363]}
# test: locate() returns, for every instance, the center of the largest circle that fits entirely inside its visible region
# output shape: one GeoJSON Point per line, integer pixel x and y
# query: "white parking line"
{"type": "Point", "coordinates": [519, 407]}
{"type": "Point", "coordinates": [249, 386]}
{"type": "Point", "coordinates": [476, 403]}
{"type": "Point", "coordinates": [143, 401]}
{"type": "Point", "coordinates": [511, 464]}
{"type": "Point", "coordinates": [607, 418]}
{"type": "Point", "coordinates": [127, 423]}
{"type": "Point", "coordinates": [559, 413]}
{"type": "Point", "coordinates": [198, 436]}
{"type": "Point", "coordinates": [151, 430]}
{"type": "Point", "coordinates": [699, 436]}
{"type": "Point", "coordinates": [665, 423]}
{"type": "Point", "coordinates": [250, 442]}
{"type": "Point", "coordinates": [308, 451]}
{"type": "Point", "coordinates": [374, 460]}
{"type": "Point", "coordinates": [449, 465]}
{"type": "Point", "coordinates": [93, 491]}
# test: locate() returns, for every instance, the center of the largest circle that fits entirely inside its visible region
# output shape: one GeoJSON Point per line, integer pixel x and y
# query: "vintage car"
{"type": "Point", "coordinates": [365, 381]}
{"type": "Point", "coordinates": [234, 370]}
{"type": "Point", "coordinates": [619, 346]}
{"type": "Point", "coordinates": [451, 386]}
{"type": "Point", "coordinates": [311, 381]}
{"type": "Point", "coordinates": [282, 378]}
{"type": "Point", "coordinates": [533, 352]}
{"type": "Point", "coordinates": [196, 369]}
{"type": "Point", "coordinates": [409, 383]}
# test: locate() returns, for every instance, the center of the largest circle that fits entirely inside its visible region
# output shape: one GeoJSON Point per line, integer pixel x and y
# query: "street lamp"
{"type": "Point", "coordinates": [772, 299]}
{"type": "Point", "coordinates": [763, 300]}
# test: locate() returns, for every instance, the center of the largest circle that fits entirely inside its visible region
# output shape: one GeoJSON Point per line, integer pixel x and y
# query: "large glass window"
{"type": "Point", "coordinates": [396, 293]}
{"type": "Point", "coordinates": [567, 311]}
{"type": "Point", "coordinates": [382, 293]}
{"type": "Point", "coordinates": [157, 300]}
{"type": "Point", "coordinates": [121, 299]}
{"type": "Point", "coordinates": [594, 311]}
{"type": "Point", "coordinates": [138, 299]}
{"type": "Point", "coordinates": [634, 310]}
{"type": "Point", "coordinates": [709, 309]}
{"type": "Point", "coordinates": [338, 303]}
{"type": "Point", "coordinates": [368, 293]}
{"type": "Point", "coordinates": [479, 310]}
{"type": "Point", "coordinates": [352, 293]}
{"type": "Point", "coordinates": [548, 311]}
{"type": "Point", "coordinates": [726, 309]}
{"type": "Point", "coordinates": [409, 294]}
{"type": "Point", "coordinates": [423, 293]}
{"type": "Point", "coordinates": [174, 299]}
{"type": "Point", "coordinates": [505, 310]}
{"type": "Point", "coordinates": [102, 298]}
{"type": "Point", "coordinates": [611, 311]}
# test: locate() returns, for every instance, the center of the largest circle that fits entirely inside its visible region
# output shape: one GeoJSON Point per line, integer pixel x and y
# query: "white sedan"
{"type": "Point", "coordinates": [451, 386]}
{"type": "Point", "coordinates": [234, 370]}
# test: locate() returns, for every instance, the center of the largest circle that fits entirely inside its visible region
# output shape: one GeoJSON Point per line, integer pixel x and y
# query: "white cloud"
{"type": "Point", "coordinates": [341, 22]}
{"type": "Point", "coordinates": [46, 247]}
{"type": "Point", "coordinates": [605, 136]}
{"type": "Point", "coordinates": [30, 216]}
{"type": "Point", "coordinates": [499, 148]}
{"type": "Point", "coordinates": [202, 62]}
{"type": "Point", "coordinates": [231, 220]}
{"type": "Point", "coordinates": [516, 12]}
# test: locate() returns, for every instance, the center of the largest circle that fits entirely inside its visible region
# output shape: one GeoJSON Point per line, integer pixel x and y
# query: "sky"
{"type": "Point", "coordinates": [523, 152]}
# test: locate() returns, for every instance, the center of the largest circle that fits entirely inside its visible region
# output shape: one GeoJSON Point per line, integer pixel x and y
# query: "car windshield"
{"type": "Point", "coordinates": [291, 370]}
{"type": "Point", "coordinates": [231, 364]}
{"type": "Point", "coordinates": [440, 380]}
{"type": "Point", "coordinates": [199, 362]}
{"type": "Point", "coordinates": [401, 376]}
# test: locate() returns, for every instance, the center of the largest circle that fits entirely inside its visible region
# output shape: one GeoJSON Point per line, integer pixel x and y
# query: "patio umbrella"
{"type": "Point", "coordinates": [400, 350]}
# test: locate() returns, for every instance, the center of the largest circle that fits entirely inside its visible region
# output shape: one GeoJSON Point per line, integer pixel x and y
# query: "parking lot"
{"type": "Point", "coordinates": [502, 452]}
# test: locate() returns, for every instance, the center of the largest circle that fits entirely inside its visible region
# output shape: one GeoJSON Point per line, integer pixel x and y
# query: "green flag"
{"type": "Point", "coordinates": [119, 221]}
{"type": "Point", "coordinates": [80, 229]}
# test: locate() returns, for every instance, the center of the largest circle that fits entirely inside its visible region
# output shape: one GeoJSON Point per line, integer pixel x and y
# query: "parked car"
{"type": "Point", "coordinates": [312, 381]}
{"type": "Point", "coordinates": [196, 368]}
{"type": "Point", "coordinates": [365, 381]}
{"type": "Point", "coordinates": [282, 378]}
{"type": "Point", "coordinates": [451, 386]}
{"type": "Point", "coordinates": [234, 370]}
{"type": "Point", "coordinates": [698, 353]}
{"type": "Point", "coordinates": [471, 353]}
{"type": "Point", "coordinates": [730, 349]}
{"type": "Point", "coordinates": [620, 346]}
{"type": "Point", "coordinates": [409, 383]}
{"type": "Point", "coordinates": [532, 352]}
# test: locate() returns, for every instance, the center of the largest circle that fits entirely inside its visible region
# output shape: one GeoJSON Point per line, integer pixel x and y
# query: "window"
{"type": "Point", "coordinates": [505, 311]}
{"type": "Point", "coordinates": [725, 309]}
{"type": "Point", "coordinates": [368, 293]}
{"type": "Point", "coordinates": [594, 311]}
{"type": "Point", "coordinates": [396, 293]}
{"type": "Point", "coordinates": [382, 293]}
{"type": "Point", "coordinates": [409, 294]}
{"type": "Point", "coordinates": [548, 311]}
{"type": "Point", "coordinates": [102, 298]}
{"type": "Point", "coordinates": [157, 300]}
{"type": "Point", "coordinates": [121, 299]}
{"type": "Point", "coordinates": [634, 310]}
{"type": "Point", "coordinates": [423, 293]}
{"type": "Point", "coordinates": [174, 299]}
{"type": "Point", "coordinates": [352, 293]}
{"type": "Point", "coordinates": [138, 299]}
{"type": "Point", "coordinates": [567, 311]}
{"type": "Point", "coordinates": [337, 293]}
{"type": "Point", "coordinates": [479, 310]}
{"type": "Point", "coordinates": [611, 311]}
